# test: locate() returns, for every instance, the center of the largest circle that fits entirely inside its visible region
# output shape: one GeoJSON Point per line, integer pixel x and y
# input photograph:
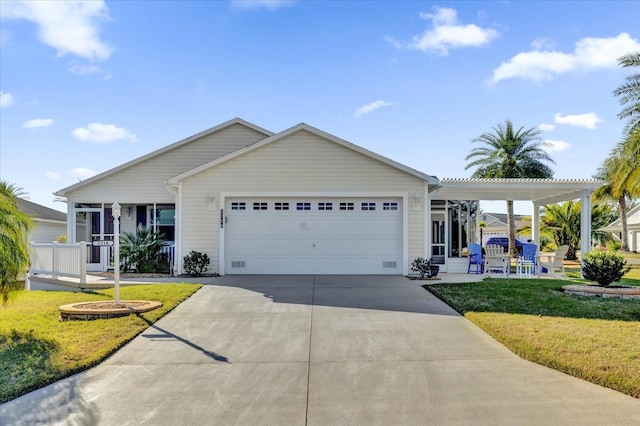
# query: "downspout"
{"type": "Point", "coordinates": [176, 190]}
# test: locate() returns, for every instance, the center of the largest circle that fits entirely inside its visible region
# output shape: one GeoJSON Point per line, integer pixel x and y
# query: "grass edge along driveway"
{"type": "Point", "coordinates": [37, 349]}
{"type": "Point", "coordinates": [590, 338]}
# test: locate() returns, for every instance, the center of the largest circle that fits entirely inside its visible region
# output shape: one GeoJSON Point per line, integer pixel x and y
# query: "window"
{"type": "Point", "coordinates": [346, 206]}
{"type": "Point", "coordinates": [389, 206]}
{"type": "Point", "coordinates": [260, 206]}
{"type": "Point", "coordinates": [325, 206]}
{"type": "Point", "coordinates": [282, 206]}
{"type": "Point", "coordinates": [368, 206]}
{"type": "Point", "coordinates": [165, 222]}
{"type": "Point", "coordinates": [303, 206]}
{"type": "Point", "coordinates": [239, 206]}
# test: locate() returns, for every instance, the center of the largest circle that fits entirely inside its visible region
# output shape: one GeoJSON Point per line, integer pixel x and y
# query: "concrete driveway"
{"type": "Point", "coordinates": [318, 350]}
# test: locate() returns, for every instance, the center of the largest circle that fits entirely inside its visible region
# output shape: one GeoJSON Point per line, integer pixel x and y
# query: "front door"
{"type": "Point", "coordinates": [90, 226]}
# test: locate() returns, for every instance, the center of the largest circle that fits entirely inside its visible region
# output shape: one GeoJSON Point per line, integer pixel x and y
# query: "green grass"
{"type": "Point", "coordinates": [36, 348]}
{"type": "Point", "coordinates": [591, 338]}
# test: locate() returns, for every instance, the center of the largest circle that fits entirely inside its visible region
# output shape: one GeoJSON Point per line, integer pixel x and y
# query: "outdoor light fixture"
{"type": "Point", "coordinates": [115, 212]}
{"type": "Point", "coordinates": [129, 211]}
{"type": "Point", "coordinates": [212, 201]}
{"type": "Point", "coordinates": [417, 200]}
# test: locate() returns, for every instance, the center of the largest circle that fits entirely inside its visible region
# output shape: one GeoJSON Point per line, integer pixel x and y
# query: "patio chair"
{"type": "Point", "coordinates": [476, 258]}
{"type": "Point", "coordinates": [553, 262]}
{"type": "Point", "coordinates": [495, 260]}
{"type": "Point", "coordinates": [527, 261]}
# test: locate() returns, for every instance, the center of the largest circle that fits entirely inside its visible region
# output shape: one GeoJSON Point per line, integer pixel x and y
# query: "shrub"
{"type": "Point", "coordinates": [142, 251]}
{"type": "Point", "coordinates": [195, 263]}
{"type": "Point", "coordinates": [425, 268]}
{"type": "Point", "coordinates": [604, 268]}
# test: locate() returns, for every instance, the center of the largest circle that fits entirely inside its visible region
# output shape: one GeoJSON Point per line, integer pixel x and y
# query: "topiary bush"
{"type": "Point", "coordinates": [604, 268]}
{"type": "Point", "coordinates": [195, 263]}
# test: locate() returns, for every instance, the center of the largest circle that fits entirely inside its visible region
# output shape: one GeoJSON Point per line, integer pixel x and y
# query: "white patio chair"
{"type": "Point", "coordinates": [495, 260]}
{"type": "Point", "coordinates": [553, 262]}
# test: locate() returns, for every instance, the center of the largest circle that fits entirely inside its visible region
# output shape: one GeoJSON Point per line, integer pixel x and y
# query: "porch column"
{"type": "Point", "coordinates": [427, 222]}
{"type": "Point", "coordinates": [585, 223]}
{"type": "Point", "coordinates": [535, 225]}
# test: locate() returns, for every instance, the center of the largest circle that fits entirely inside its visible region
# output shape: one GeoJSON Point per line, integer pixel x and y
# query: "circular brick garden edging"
{"type": "Point", "coordinates": [106, 309]}
{"type": "Point", "coordinates": [605, 292]}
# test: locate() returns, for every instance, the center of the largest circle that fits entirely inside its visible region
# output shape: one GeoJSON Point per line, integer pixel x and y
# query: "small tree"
{"type": "Point", "coordinates": [195, 263]}
{"type": "Point", "coordinates": [604, 268]}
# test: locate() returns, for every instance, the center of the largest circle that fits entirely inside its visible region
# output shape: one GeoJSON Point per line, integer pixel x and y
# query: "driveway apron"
{"type": "Point", "coordinates": [318, 350]}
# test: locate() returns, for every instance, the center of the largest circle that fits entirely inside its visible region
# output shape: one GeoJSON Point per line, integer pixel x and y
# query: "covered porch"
{"type": "Point", "coordinates": [455, 204]}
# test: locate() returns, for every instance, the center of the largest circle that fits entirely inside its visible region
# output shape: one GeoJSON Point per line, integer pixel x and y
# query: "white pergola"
{"type": "Point", "coordinates": [540, 192]}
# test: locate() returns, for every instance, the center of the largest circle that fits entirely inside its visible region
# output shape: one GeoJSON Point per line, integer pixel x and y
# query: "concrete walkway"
{"type": "Point", "coordinates": [318, 350]}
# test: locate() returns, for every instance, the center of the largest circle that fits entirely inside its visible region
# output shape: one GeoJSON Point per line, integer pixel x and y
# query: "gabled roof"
{"type": "Point", "coordinates": [160, 151]}
{"type": "Point", "coordinates": [616, 225]}
{"type": "Point", "coordinates": [40, 212]}
{"type": "Point", "coordinates": [432, 180]}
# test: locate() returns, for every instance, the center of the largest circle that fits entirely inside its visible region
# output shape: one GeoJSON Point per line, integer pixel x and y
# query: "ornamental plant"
{"type": "Point", "coordinates": [424, 267]}
{"type": "Point", "coordinates": [195, 263]}
{"type": "Point", "coordinates": [604, 268]}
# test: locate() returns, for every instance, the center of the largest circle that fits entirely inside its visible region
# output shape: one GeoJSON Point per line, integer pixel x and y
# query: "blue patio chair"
{"type": "Point", "coordinates": [527, 260]}
{"type": "Point", "coordinates": [475, 258]}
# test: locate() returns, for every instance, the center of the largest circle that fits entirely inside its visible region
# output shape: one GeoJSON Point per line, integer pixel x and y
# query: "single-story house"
{"type": "Point", "coordinates": [495, 225]}
{"type": "Point", "coordinates": [300, 201]}
{"type": "Point", "coordinates": [633, 228]}
{"type": "Point", "coordinates": [49, 224]}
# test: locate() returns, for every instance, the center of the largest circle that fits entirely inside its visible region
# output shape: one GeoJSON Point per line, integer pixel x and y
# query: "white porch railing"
{"type": "Point", "coordinates": [60, 260]}
{"type": "Point", "coordinates": [170, 251]}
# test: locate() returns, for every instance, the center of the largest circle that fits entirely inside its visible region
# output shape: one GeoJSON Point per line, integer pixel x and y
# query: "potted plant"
{"type": "Point", "coordinates": [426, 268]}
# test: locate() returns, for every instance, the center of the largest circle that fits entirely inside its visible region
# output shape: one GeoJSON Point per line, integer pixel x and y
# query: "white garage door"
{"type": "Point", "coordinates": [313, 236]}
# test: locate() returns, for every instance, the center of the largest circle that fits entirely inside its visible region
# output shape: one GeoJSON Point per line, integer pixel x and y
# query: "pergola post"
{"type": "Point", "coordinates": [585, 223]}
{"type": "Point", "coordinates": [535, 225]}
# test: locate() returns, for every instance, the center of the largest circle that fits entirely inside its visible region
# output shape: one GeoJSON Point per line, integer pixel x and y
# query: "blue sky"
{"type": "Point", "coordinates": [88, 86]}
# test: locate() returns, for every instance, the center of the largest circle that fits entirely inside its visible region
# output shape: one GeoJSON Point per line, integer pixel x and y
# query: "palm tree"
{"type": "Point", "coordinates": [629, 92]}
{"type": "Point", "coordinates": [509, 153]}
{"type": "Point", "coordinates": [14, 232]}
{"type": "Point", "coordinates": [621, 172]}
{"type": "Point", "coordinates": [562, 222]}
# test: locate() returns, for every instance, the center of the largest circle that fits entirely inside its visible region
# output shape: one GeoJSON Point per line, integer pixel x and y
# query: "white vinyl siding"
{"type": "Point", "coordinates": [47, 232]}
{"type": "Point", "coordinates": [145, 182]}
{"type": "Point", "coordinates": [300, 163]}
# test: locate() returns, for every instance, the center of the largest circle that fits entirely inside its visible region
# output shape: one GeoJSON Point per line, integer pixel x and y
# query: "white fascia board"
{"type": "Point", "coordinates": [303, 126]}
{"type": "Point", "coordinates": [63, 192]}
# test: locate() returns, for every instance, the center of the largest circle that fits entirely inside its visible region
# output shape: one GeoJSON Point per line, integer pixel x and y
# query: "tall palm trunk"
{"type": "Point", "coordinates": [511, 229]}
{"type": "Point", "coordinates": [622, 205]}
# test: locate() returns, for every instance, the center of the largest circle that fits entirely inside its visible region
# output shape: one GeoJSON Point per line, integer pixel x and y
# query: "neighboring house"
{"type": "Point", "coordinates": [301, 201]}
{"type": "Point", "coordinates": [633, 228]}
{"type": "Point", "coordinates": [496, 226]}
{"type": "Point", "coordinates": [49, 224]}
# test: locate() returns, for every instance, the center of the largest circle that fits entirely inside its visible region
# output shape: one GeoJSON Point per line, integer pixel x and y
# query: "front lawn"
{"type": "Point", "coordinates": [36, 348]}
{"type": "Point", "coordinates": [591, 338]}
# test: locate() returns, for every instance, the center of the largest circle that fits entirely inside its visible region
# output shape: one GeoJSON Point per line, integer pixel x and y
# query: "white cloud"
{"type": "Point", "coordinates": [550, 145]}
{"type": "Point", "coordinates": [588, 120]}
{"type": "Point", "coordinates": [37, 122]}
{"type": "Point", "coordinates": [81, 173]}
{"type": "Point", "coordinates": [102, 133]}
{"type": "Point", "coordinates": [543, 43]}
{"type": "Point", "coordinates": [79, 69]}
{"type": "Point", "coordinates": [366, 109]}
{"type": "Point", "coordinates": [6, 99]}
{"type": "Point", "coordinates": [261, 4]}
{"type": "Point", "coordinates": [52, 175]}
{"type": "Point", "coordinates": [447, 33]}
{"type": "Point", "coordinates": [546, 127]}
{"type": "Point", "coordinates": [590, 53]}
{"type": "Point", "coordinates": [70, 27]}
